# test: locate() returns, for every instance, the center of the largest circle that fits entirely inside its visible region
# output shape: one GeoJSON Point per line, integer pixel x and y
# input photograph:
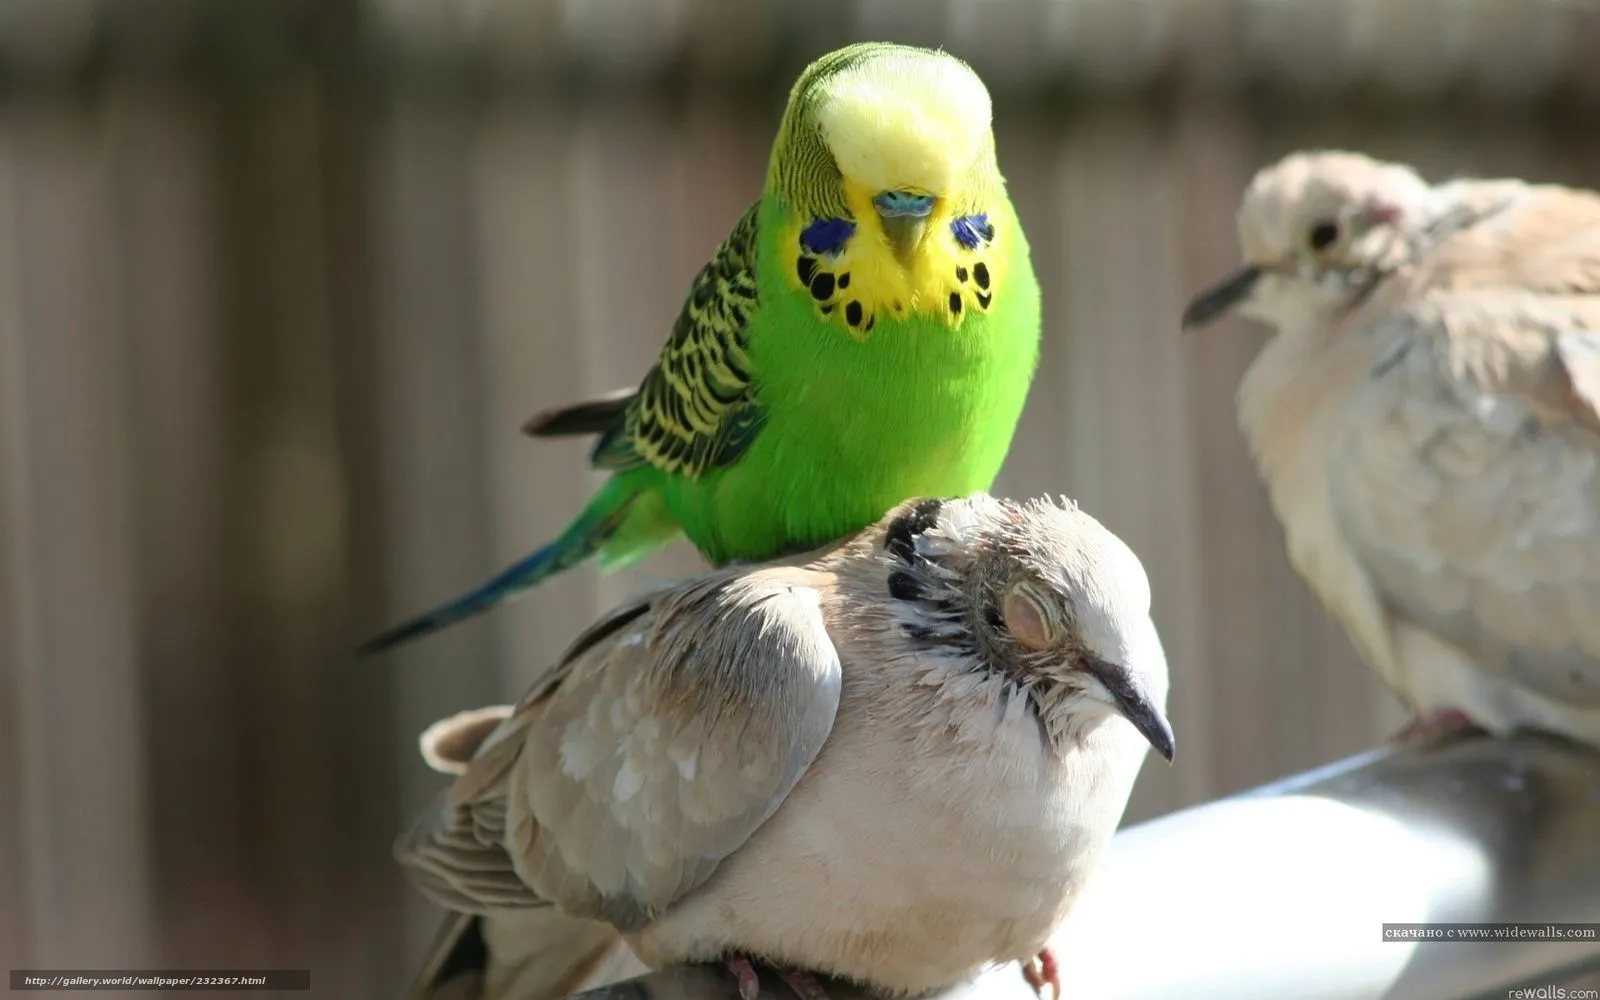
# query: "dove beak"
{"type": "Point", "coordinates": [905, 219]}
{"type": "Point", "coordinates": [1134, 703]}
{"type": "Point", "coordinates": [1221, 297]}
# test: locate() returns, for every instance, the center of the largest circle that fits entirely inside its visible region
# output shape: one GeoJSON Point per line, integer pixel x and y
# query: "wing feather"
{"type": "Point", "coordinates": [622, 780]}
{"type": "Point", "coordinates": [1475, 500]}
{"type": "Point", "coordinates": [696, 408]}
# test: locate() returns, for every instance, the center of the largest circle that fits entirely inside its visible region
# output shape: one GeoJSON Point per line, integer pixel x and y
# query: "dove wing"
{"type": "Point", "coordinates": [1474, 500]}
{"type": "Point", "coordinates": [667, 735]}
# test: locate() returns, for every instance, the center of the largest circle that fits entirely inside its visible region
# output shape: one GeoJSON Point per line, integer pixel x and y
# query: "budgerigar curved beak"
{"type": "Point", "coordinates": [1134, 703]}
{"type": "Point", "coordinates": [905, 219]}
{"type": "Point", "coordinates": [1221, 297]}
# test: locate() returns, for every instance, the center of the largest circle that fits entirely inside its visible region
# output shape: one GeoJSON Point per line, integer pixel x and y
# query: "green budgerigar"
{"type": "Point", "coordinates": [867, 332]}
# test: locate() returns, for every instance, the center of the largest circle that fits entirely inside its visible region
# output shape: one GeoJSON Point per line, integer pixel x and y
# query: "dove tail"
{"type": "Point", "coordinates": [584, 537]}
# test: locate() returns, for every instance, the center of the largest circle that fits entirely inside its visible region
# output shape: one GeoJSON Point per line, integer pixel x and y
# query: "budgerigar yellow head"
{"type": "Point", "coordinates": [899, 120]}
{"type": "Point", "coordinates": [893, 142]}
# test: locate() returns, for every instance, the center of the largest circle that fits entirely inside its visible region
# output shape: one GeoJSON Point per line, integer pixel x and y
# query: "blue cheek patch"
{"type": "Point", "coordinates": [827, 236]}
{"type": "Point", "coordinates": [972, 230]}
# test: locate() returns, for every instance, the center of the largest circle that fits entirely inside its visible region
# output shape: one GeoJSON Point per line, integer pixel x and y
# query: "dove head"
{"type": "Point", "coordinates": [1042, 594]}
{"type": "Point", "coordinates": [1319, 230]}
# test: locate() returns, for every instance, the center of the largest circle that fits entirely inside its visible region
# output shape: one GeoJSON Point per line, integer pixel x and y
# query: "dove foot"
{"type": "Point", "coordinates": [803, 983]}
{"type": "Point", "coordinates": [1043, 970]}
{"type": "Point", "coordinates": [1445, 720]}
{"type": "Point", "coordinates": [745, 973]}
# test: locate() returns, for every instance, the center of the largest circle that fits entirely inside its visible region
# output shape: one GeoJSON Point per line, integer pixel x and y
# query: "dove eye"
{"type": "Point", "coordinates": [1027, 620]}
{"type": "Point", "coordinates": [1323, 234]}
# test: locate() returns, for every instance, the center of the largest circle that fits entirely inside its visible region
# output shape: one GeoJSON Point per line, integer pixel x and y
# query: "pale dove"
{"type": "Point", "coordinates": [896, 760]}
{"type": "Point", "coordinates": [1425, 421]}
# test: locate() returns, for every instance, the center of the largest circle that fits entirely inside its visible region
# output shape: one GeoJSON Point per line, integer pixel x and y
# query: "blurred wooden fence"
{"type": "Point", "coordinates": [279, 283]}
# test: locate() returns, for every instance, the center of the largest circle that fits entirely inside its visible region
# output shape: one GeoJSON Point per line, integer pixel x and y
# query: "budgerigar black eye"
{"type": "Point", "coordinates": [1323, 234]}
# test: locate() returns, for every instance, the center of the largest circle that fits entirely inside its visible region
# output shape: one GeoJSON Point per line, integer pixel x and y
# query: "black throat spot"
{"type": "Point", "coordinates": [910, 581]}
{"type": "Point", "coordinates": [900, 540]}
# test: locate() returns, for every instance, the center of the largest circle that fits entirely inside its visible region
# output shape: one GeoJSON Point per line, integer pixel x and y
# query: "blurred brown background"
{"type": "Point", "coordinates": [279, 281]}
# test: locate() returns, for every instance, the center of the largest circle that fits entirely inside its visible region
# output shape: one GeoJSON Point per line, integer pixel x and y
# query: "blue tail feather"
{"type": "Point", "coordinates": [580, 541]}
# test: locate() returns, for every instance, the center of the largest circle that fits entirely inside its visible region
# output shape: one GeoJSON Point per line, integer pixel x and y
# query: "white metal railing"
{"type": "Point", "coordinates": [1281, 892]}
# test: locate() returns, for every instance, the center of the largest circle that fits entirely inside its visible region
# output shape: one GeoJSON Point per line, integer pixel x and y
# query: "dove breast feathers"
{"type": "Point", "coordinates": [1434, 456]}
{"type": "Point", "coordinates": [756, 761]}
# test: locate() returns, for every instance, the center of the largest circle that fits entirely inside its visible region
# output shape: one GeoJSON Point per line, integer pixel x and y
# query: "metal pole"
{"type": "Point", "coordinates": [1282, 892]}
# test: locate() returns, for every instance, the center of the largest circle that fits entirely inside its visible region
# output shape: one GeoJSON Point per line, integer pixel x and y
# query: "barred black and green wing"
{"type": "Point", "coordinates": [695, 409]}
